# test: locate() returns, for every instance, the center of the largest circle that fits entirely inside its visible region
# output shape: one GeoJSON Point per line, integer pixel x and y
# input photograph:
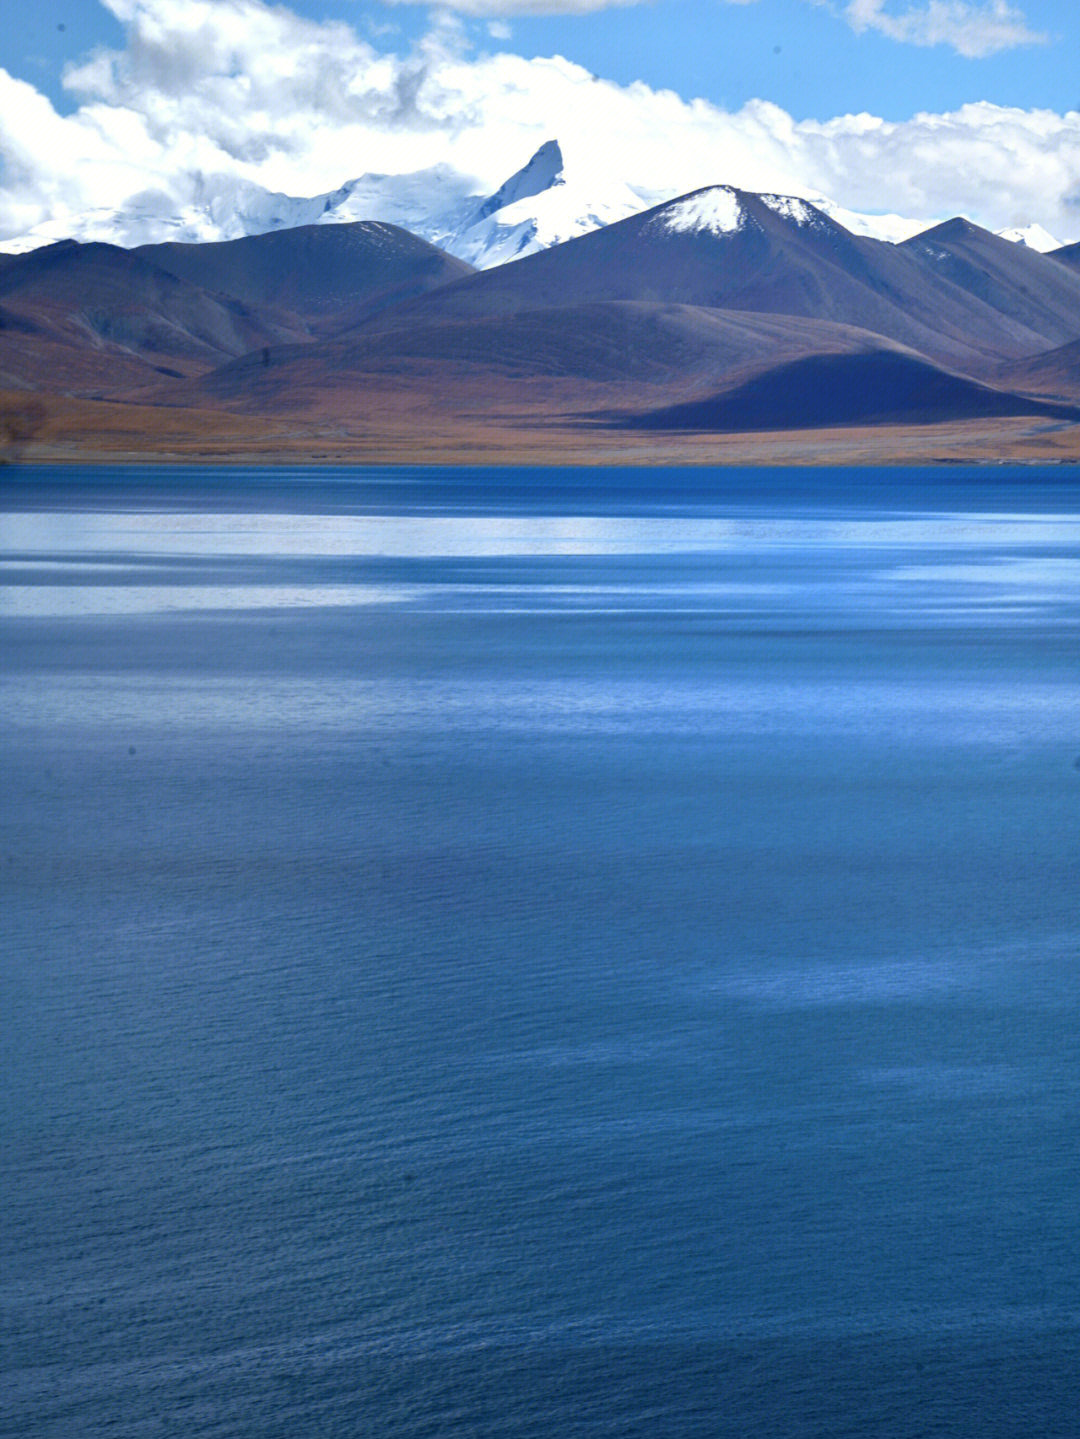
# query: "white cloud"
{"type": "Point", "coordinates": [972, 30]}
{"type": "Point", "coordinates": [241, 89]}
{"type": "Point", "coordinates": [486, 8]}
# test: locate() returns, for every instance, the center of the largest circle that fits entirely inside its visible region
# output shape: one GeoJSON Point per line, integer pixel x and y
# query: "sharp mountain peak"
{"type": "Point", "coordinates": [537, 175]}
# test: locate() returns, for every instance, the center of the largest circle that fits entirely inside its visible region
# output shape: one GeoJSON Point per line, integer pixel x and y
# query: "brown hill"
{"type": "Point", "coordinates": [105, 295]}
{"type": "Point", "coordinates": [1053, 373]}
{"type": "Point", "coordinates": [99, 320]}
{"type": "Point", "coordinates": [329, 276]}
{"type": "Point", "coordinates": [563, 358]}
{"type": "Point", "coordinates": [91, 319]}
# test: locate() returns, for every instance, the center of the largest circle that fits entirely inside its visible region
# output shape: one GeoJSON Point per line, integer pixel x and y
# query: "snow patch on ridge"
{"type": "Point", "coordinates": [790, 207]}
{"type": "Point", "coordinates": [716, 211]}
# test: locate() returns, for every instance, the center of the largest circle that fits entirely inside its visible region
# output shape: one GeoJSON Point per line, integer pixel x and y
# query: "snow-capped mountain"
{"type": "Point", "coordinates": [540, 205]}
{"type": "Point", "coordinates": [893, 228]}
{"type": "Point", "coordinates": [1033, 236]}
{"type": "Point", "coordinates": [436, 201]}
{"type": "Point", "coordinates": [722, 210]}
{"type": "Point", "coordinates": [544, 203]}
{"type": "Point", "coordinates": [542, 172]}
{"type": "Point", "coordinates": [896, 228]}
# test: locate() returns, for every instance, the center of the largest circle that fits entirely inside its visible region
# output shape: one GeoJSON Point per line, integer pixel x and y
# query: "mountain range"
{"type": "Point", "coordinates": [544, 203]}
{"type": "Point", "coordinates": [720, 311]}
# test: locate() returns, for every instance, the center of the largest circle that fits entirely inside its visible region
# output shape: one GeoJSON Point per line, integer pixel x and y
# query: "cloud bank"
{"type": "Point", "coordinates": [241, 89]}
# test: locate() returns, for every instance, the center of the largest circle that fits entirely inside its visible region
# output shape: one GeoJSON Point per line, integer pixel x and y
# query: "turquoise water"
{"type": "Point", "coordinates": [539, 954]}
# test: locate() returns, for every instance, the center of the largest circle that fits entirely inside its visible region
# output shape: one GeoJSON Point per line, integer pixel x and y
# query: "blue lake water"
{"type": "Point", "coordinates": [540, 954]}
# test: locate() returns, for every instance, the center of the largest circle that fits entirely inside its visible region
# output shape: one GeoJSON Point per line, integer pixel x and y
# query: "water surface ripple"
{"type": "Point", "coordinates": [539, 955]}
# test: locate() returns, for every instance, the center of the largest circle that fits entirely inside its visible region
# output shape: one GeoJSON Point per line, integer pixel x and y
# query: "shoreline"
{"type": "Point", "coordinates": [77, 431]}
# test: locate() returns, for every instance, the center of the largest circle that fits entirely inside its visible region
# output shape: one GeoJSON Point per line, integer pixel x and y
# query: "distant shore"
{"type": "Point", "coordinates": [79, 431]}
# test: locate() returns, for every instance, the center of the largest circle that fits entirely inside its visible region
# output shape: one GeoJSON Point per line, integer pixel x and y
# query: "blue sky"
{"type": "Point", "coordinates": [801, 54]}
{"type": "Point", "coordinates": [916, 108]}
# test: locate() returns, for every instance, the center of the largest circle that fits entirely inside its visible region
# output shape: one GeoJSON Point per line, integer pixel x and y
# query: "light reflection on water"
{"type": "Point", "coordinates": [69, 601]}
{"type": "Point", "coordinates": [858, 570]}
{"type": "Point", "coordinates": [162, 532]}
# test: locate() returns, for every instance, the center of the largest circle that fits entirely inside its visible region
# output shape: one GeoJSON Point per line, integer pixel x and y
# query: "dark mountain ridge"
{"type": "Point", "coordinates": [1022, 285]}
{"type": "Point", "coordinates": [1067, 255]}
{"type": "Point", "coordinates": [97, 319]}
{"type": "Point", "coordinates": [329, 276]}
{"type": "Point", "coordinates": [723, 248]}
{"type": "Point", "coordinates": [103, 296]}
{"type": "Point", "coordinates": [826, 391]}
